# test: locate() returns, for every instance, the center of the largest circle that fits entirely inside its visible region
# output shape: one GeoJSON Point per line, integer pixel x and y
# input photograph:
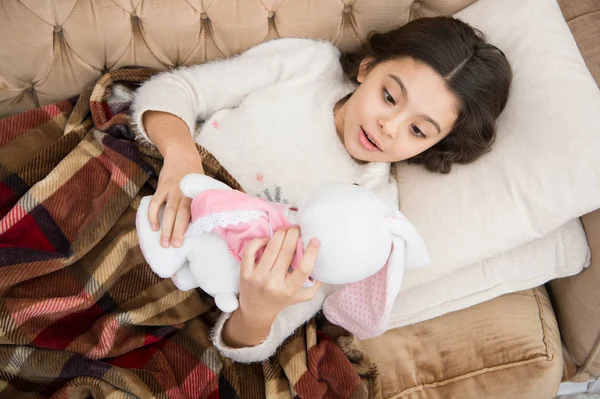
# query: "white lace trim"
{"type": "Point", "coordinates": [208, 223]}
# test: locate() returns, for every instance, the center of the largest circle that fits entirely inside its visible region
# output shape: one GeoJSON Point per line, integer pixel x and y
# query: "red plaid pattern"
{"type": "Point", "coordinates": [80, 310]}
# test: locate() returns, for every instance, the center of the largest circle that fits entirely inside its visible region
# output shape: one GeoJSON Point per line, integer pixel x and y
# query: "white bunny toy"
{"type": "Point", "coordinates": [365, 243]}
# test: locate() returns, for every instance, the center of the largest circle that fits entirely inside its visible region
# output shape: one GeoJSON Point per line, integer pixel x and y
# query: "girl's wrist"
{"type": "Point", "coordinates": [180, 150]}
{"type": "Point", "coordinates": [259, 320]}
{"type": "Point", "coordinates": [243, 330]}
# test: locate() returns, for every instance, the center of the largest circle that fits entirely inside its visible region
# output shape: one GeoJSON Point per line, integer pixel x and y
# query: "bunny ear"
{"type": "Point", "coordinates": [416, 252]}
{"type": "Point", "coordinates": [364, 308]}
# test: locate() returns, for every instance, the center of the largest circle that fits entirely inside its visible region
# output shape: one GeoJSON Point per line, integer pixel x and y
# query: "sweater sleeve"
{"type": "Point", "coordinates": [287, 321]}
{"type": "Point", "coordinates": [196, 92]}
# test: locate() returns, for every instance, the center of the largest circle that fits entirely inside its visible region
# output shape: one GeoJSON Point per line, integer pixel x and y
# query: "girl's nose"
{"type": "Point", "coordinates": [389, 126]}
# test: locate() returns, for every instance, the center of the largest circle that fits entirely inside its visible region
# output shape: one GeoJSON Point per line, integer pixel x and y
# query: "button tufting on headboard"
{"type": "Point", "coordinates": [64, 46]}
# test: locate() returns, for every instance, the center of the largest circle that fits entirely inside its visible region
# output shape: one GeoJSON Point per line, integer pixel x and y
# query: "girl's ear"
{"type": "Point", "coordinates": [363, 69]}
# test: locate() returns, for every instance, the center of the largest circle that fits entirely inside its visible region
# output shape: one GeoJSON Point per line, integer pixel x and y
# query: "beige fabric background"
{"type": "Point", "coordinates": [70, 43]}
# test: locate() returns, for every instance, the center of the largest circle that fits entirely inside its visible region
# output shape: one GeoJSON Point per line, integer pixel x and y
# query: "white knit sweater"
{"type": "Point", "coordinates": [268, 117]}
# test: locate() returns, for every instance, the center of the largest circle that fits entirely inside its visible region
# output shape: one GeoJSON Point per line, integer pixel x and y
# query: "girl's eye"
{"type": "Point", "coordinates": [416, 131]}
{"type": "Point", "coordinates": [388, 97]}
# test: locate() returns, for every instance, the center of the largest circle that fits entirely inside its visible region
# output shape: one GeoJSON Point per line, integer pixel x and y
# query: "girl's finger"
{"type": "Point", "coordinates": [153, 208]}
{"type": "Point", "coordinates": [299, 276]}
{"type": "Point", "coordinates": [306, 294]}
{"type": "Point", "coordinates": [182, 220]}
{"type": "Point", "coordinates": [249, 256]}
{"type": "Point", "coordinates": [168, 220]}
{"type": "Point", "coordinates": [286, 253]}
{"type": "Point", "coordinates": [271, 251]}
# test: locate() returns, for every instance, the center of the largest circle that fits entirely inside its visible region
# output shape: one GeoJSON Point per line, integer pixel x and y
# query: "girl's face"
{"type": "Point", "coordinates": [401, 108]}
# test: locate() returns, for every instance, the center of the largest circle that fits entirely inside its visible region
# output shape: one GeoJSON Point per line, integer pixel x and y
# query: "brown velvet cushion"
{"type": "Point", "coordinates": [583, 18]}
{"type": "Point", "coordinates": [508, 347]}
{"type": "Point", "coordinates": [577, 305]}
{"type": "Point", "coordinates": [576, 299]}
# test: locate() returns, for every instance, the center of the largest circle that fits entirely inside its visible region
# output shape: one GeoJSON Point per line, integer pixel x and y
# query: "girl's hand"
{"type": "Point", "coordinates": [176, 217]}
{"type": "Point", "coordinates": [266, 287]}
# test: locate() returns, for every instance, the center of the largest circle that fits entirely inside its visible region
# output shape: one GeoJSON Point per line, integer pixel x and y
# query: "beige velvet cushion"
{"type": "Point", "coordinates": [508, 347]}
{"type": "Point", "coordinates": [51, 50]}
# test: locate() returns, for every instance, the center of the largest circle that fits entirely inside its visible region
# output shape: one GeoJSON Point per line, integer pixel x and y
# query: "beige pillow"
{"type": "Point", "coordinates": [561, 253]}
{"type": "Point", "coordinates": [543, 171]}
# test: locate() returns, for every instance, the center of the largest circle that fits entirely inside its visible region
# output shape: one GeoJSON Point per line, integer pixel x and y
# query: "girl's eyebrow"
{"type": "Point", "coordinates": [434, 123]}
{"type": "Point", "coordinates": [402, 87]}
{"type": "Point", "coordinates": [405, 95]}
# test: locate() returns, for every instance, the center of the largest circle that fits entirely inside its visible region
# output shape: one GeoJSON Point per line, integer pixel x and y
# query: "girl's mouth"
{"type": "Point", "coordinates": [366, 141]}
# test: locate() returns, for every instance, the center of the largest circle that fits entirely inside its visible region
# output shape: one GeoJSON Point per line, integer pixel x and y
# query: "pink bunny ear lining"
{"type": "Point", "coordinates": [363, 308]}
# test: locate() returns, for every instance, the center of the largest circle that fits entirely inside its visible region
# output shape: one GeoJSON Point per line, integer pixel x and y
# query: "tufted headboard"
{"type": "Point", "coordinates": [51, 50]}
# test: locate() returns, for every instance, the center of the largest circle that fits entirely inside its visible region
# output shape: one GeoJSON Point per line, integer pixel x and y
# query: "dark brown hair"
{"type": "Point", "coordinates": [476, 72]}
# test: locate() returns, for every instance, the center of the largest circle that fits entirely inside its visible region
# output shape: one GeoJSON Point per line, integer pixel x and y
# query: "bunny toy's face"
{"type": "Point", "coordinates": [349, 221]}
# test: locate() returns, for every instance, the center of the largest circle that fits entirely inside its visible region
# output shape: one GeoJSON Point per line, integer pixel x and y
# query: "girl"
{"type": "Point", "coordinates": [290, 114]}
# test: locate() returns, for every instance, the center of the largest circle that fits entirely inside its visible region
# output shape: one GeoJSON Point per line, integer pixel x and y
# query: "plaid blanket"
{"type": "Point", "coordinates": [82, 314]}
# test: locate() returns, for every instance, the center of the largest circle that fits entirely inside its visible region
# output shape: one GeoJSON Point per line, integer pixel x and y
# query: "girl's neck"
{"type": "Point", "coordinates": [339, 115]}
